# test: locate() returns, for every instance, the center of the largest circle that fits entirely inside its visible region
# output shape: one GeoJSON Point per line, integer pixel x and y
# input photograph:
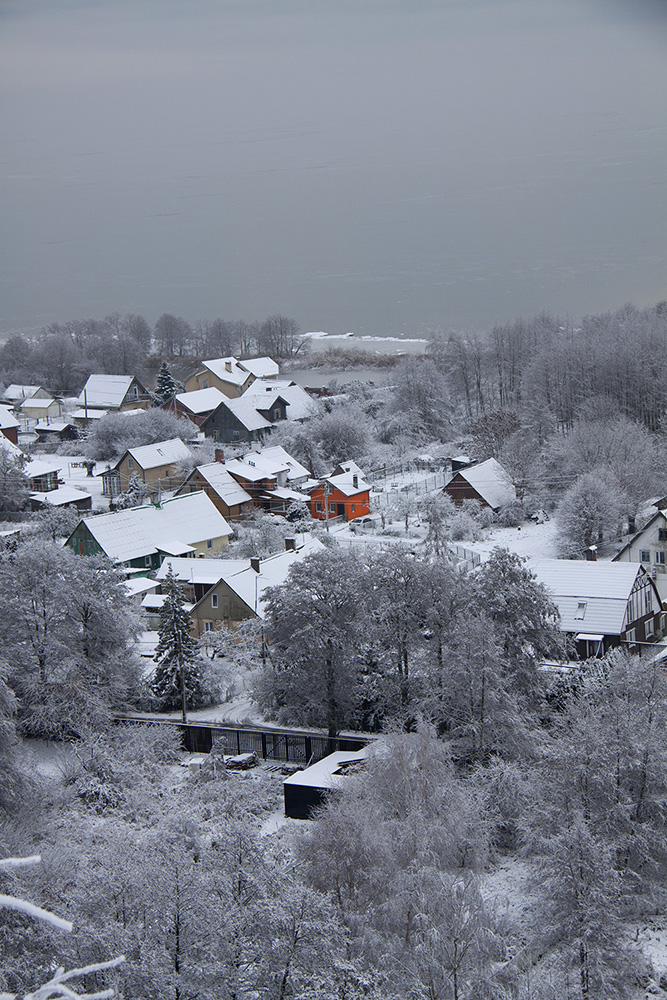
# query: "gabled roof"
{"type": "Point", "coordinates": [106, 390]}
{"type": "Point", "coordinates": [275, 459]}
{"type": "Point", "coordinates": [228, 370]}
{"type": "Point", "coordinates": [260, 367]}
{"type": "Point", "coordinates": [43, 465]}
{"type": "Point", "coordinates": [603, 588]}
{"type": "Point", "coordinates": [7, 418]}
{"type": "Point", "coordinates": [299, 404]}
{"type": "Point", "coordinates": [220, 481]}
{"type": "Point", "coordinates": [10, 448]}
{"type": "Point", "coordinates": [61, 497]}
{"type": "Point", "coordinates": [36, 403]}
{"type": "Point", "coordinates": [201, 400]}
{"type": "Point", "coordinates": [251, 586]}
{"type": "Point", "coordinates": [16, 393]}
{"type": "Point", "coordinates": [150, 456]}
{"type": "Point", "coordinates": [139, 531]}
{"type": "Point", "coordinates": [491, 481]}
{"type": "Point", "coordinates": [660, 515]}
{"type": "Point", "coordinates": [246, 414]}
{"type": "Point", "coordinates": [344, 481]}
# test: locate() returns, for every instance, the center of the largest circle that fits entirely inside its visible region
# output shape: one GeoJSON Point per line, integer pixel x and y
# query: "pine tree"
{"type": "Point", "coordinates": [166, 386]}
{"type": "Point", "coordinates": [177, 680]}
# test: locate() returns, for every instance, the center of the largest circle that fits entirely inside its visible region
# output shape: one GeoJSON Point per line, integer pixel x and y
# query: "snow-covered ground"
{"type": "Point", "coordinates": [531, 541]}
{"type": "Point", "coordinates": [73, 473]}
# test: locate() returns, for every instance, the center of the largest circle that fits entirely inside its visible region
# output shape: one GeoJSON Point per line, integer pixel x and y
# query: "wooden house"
{"type": "Point", "coordinates": [104, 393]}
{"type": "Point", "coordinates": [9, 425]}
{"type": "Point", "coordinates": [62, 496]}
{"type": "Point", "coordinates": [196, 406]}
{"type": "Point", "coordinates": [154, 465]}
{"type": "Point", "coordinates": [487, 483]}
{"type": "Point", "coordinates": [236, 421]}
{"type": "Point", "coordinates": [43, 473]}
{"type": "Point", "coordinates": [139, 538]}
{"type": "Point", "coordinates": [222, 488]}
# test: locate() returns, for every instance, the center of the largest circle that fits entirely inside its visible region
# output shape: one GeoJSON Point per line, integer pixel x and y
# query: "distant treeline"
{"type": "Point", "coordinates": [63, 355]}
{"type": "Point", "coordinates": [550, 371]}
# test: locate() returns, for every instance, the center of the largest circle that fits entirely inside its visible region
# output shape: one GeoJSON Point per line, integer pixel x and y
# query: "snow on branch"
{"type": "Point", "coordinates": [55, 989]}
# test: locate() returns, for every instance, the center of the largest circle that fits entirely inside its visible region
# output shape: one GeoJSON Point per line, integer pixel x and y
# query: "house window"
{"type": "Point", "coordinates": [662, 534]}
{"type": "Point", "coordinates": [645, 555]}
{"type": "Point", "coordinates": [209, 543]}
{"type": "Point", "coordinates": [631, 636]}
{"type": "Point", "coordinates": [660, 558]}
{"type": "Point", "coordinates": [147, 560]}
{"type": "Point", "coordinates": [214, 600]}
{"type": "Point", "coordinates": [204, 383]}
{"type": "Point", "coordinates": [208, 627]}
{"type": "Point", "coordinates": [332, 508]}
{"type": "Point", "coordinates": [352, 508]}
{"type": "Point", "coordinates": [648, 628]}
{"type": "Point", "coordinates": [318, 505]}
{"type": "Point", "coordinates": [130, 463]}
{"type": "Point", "coordinates": [581, 610]}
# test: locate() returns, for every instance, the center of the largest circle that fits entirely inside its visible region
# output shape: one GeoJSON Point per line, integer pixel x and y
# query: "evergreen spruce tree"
{"type": "Point", "coordinates": [166, 386]}
{"type": "Point", "coordinates": [177, 680]}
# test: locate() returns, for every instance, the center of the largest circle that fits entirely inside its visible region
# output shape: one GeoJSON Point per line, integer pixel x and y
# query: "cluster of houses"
{"type": "Point", "coordinates": [191, 513]}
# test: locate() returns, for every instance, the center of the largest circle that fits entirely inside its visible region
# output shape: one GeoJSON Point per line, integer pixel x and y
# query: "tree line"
{"type": "Point", "coordinates": [62, 355]}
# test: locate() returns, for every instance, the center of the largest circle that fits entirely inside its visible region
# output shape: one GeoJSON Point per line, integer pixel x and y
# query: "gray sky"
{"type": "Point", "coordinates": [371, 165]}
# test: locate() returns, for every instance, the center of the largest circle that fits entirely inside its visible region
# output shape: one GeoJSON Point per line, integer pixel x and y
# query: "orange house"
{"type": "Point", "coordinates": [343, 494]}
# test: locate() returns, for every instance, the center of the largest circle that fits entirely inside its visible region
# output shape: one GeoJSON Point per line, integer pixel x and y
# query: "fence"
{"type": "Point", "coordinates": [283, 745]}
{"type": "Point", "coordinates": [417, 486]}
{"type": "Point", "coordinates": [467, 555]}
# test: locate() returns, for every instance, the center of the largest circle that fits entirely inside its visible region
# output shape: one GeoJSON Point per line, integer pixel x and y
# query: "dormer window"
{"type": "Point", "coordinates": [580, 613]}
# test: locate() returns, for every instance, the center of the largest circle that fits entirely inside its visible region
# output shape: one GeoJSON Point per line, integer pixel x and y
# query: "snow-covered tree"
{"type": "Point", "coordinates": [177, 681]}
{"type": "Point", "coordinates": [136, 494]}
{"type": "Point", "coordinates": [67, 635]}
{"type": "Point", "coordinates": [311, 624]}
{"type": "Point", "coordinates": [14, 484]}
{"type": "Point", "coordinates": [589, 509]}
{"type": "Point", "coordinates": [166, 386]}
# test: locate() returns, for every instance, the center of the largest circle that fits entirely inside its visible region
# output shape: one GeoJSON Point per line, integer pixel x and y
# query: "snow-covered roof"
{"type": "Point", "coordinates": [228, 370]}
{"type": "Point", "coordinates": [139, 531]}
{"type": "Point", "coordinates": [139, 585]}
{"type": "Point", "coordinates": [201, 400]}
{"type": "Point", "coordinates": [299, 404]}
{"type": "Point", "coordinates": [591, 596]}
{"type": "Point", "coordinates": [330, 772]}
{"type": "Point", "coordinates": [238, 574]}
{"type": "Point", "coordinates": [7, 419]}
{"type": "Point", "coordinates": [201, 571]}
{"type": "Point", "coordinates": [285, 493]}
{"type": "Point", "coordinates": [15, 393]}
{"type": "Point", "coordinates": [61, 496]}
{"type": "Point", "coordinates": [105, 390]}
{"type": "Point", "coordinates": [246, 413]}
{"type": "Point", "coordinates": [349, 466]}
{"type": "Point", "coordinates": [37, 403]}
{"type": "Point", "coordinates": [223, 483]}
{"type": "Point", "coordinates": [150, 456]}
{"type": "Point", "coordinates": [345, 483]}
{"type": "Point", "coordinates": [491, 481]}
{"type": "Point", "coordinates": [57, 426]}
{"type": "Point", "coordinates": [10, 448]}
{"type": "Point", "coordinates": [276, 458]}
{"type": "Point", "coordinates": [91, 413]}
{"type": "Point", "coordinates": [260, 367]}
{"type": "Point", "coordinates": [43, 465]}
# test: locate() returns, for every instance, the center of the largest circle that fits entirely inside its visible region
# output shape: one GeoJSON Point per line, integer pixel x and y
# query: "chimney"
{"type": "Point", "coordinates": [228, 366]}
{"type": "Point", "coordinates": [591, 553]}
{"type": "Point", "coordinates": [219, 455]}
{"type": "Point", "coordinates": [290, 545]}
{"type": "Point", "coordinates": [355, 480]}
{"type": "Point", "coordinates": [254, 563]}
